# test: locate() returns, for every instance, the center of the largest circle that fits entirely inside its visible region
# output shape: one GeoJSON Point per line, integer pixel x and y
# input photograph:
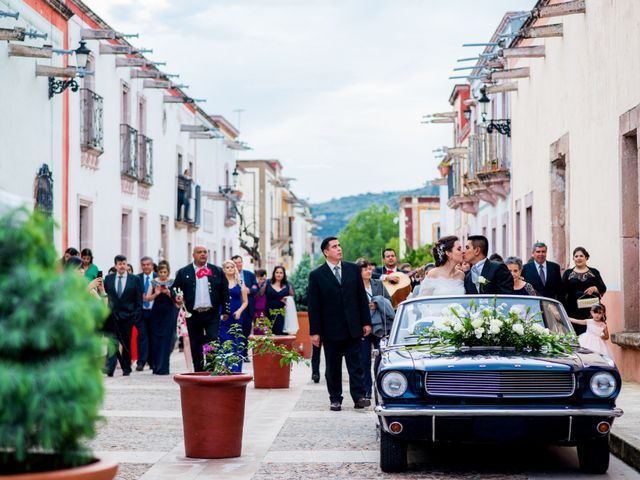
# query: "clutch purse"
{"type": "Point", "coordinates": [588, 301]}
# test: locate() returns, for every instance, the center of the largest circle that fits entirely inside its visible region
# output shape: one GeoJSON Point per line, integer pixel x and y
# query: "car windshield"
{"type": "Point", "coordinates": [415, 316]}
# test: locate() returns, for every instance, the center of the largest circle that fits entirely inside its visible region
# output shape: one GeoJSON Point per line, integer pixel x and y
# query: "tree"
{"type": "Point", "coordinates": [419, 257]}
{"type": "Point", "coordinates": [300, 281]}
{"type": "Point", "coordinates": [367, 234]}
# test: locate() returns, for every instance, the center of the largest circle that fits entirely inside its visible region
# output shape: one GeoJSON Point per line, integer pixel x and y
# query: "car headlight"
{"type": "Point", "coordinates": [603, 384]}
{"type": "Point", "coordinates": [394, 384]}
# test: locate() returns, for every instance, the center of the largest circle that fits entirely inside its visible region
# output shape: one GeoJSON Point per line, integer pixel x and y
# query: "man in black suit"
{"type": "Point", "coordinates": [339, 317]}
{"type": "Point", "coordinates": [205, 292]}
{"type": "Point", "coordinates": [145, 324]}
{"type": "Point", "coordinates": [485, 276]}
{"type": "Point", "coordinates": [543, 275]}
{"type": "Point", "coordinates": [389, 266]}
{"type": "Point", "coordinates": [125, 300]}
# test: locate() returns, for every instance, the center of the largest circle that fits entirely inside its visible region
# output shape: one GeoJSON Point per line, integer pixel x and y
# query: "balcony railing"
{"type": "Point", "coordinates": [145, 154]}
{"type": "Point", "coordinates": [489, 166]}
{"type": "Point", "coordinates": [189, 202]}
{"type": "Point", "coordinates": [128, 151]}
{"type": "Point", "coordinates": [91, 130]}
{"type": "Point", "coordinates": [459, 194]}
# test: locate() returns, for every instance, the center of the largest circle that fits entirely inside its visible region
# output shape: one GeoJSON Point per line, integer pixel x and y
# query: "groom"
{"type": "Point", "coordinates": [485, 276]}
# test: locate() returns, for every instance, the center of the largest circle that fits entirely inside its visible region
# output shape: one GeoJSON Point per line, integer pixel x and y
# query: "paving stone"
{"type": "Point", "coordinates": [132, 471]}
{"type": "Point", "coordinates": [321, 434]}
{"type": "Point", "coordinates": [141, 434]}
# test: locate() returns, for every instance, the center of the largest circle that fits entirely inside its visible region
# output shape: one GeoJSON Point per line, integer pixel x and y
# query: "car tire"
{"type": "Point", "coordinates": [393, 453]}
{"type": "Point", "coordinates": [593, 455]}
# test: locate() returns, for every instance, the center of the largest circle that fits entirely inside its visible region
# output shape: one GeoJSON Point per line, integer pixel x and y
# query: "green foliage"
{"type": "Point", "coordinates": [300, 282]}
{"type": "Point", "coordinates": [333, 215]}
{"type": "Point", "coordinates": [367, 234]}
{"type": "Point", "coordinates": [419, 257]}
{"type": "Point", "coordinates": [50, 352]}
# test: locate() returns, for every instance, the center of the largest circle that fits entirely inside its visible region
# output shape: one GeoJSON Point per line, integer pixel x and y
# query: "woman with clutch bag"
{"type": "Point", "coordinates": [582, 284]}
{"type": "Point", "coordinates": [163, 315]}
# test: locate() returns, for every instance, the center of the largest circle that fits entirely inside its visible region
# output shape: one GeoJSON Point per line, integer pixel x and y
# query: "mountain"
{"type": "Point", "coordinates": [334, 214]}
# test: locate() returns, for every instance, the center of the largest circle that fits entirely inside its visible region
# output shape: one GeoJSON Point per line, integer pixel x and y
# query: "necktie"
{"type": "Point", "coordinates": [389, 272]}
{"type": "Point", "coordinates": [146, 289]}
{"type": "Point", "coordinates": [119, 286]}
{"type": "Point", "coordinates": [336, 271]}
{"type": "Point", "coordinates": [541, 271]}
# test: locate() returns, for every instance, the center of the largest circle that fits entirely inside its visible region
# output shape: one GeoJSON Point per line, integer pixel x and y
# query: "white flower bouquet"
{"type": "Point", "coordinates": [494, 326]}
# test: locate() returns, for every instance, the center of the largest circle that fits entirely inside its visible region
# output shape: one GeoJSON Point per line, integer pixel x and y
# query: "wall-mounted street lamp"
{"type": "Point", "coordinates": [82, 57]}
{"type": "Point", "coordinates": [503, 127]}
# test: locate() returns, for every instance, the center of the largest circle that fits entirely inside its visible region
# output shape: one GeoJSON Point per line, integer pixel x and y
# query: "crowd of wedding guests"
{"type": "Point", "coordinates": [202, 303]}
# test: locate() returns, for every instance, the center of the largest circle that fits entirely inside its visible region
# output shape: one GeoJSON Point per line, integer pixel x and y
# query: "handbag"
{"type": "Point", "coordinates": [588, 301]}
{"type": "Point", "coordinates": [291, 317]}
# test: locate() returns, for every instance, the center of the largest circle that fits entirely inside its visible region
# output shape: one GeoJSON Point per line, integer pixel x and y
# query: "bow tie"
{"type": "Point", "coordinates": [203, 272]}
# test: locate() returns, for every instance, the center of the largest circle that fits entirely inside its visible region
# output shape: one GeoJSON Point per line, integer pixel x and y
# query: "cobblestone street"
{"type": "Point", "coordinates": [291, 434]}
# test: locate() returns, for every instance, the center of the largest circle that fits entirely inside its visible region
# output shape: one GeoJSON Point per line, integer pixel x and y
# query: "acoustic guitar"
{"type": "Point", "coordinates": [400, 290]}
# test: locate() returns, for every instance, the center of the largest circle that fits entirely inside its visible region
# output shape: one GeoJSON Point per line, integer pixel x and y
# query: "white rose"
{"type": "Point", "coordinates": [537, 328]}
{"type": "Point", "coordinates": [495, 326]}
{"type": "Point", "coordinates": [482, 280]}
{"type": "Point", "coordinates": [517, 309]}
{"type": "Point", "coordinates": [479, 332]}
{"type": "Point", "coordinates": [458, 327]}
{"type": "Point", "coordinates": [518, 328]}
{"type": "Point", "coordinates": [477, 322]}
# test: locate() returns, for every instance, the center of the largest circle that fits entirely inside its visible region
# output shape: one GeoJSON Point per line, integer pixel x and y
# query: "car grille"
{"type": "Point", "coordinates": [500, 384]}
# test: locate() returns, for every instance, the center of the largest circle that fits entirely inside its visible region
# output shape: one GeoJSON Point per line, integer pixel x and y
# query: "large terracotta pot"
{"type": "Point", "coordinates": [267, 371]}
{"type": "Point", "coordinates": [302, 342]}
{"type": "Point", "coordinates": [98, 470]}
{"type": "Point", "coordinates": [212, 413]}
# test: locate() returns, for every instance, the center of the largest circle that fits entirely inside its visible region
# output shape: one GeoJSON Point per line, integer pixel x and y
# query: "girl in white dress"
{"type": "Point", "coordinates": [445, 278]}
{"type": "Point", "coordinates": [597, 332]}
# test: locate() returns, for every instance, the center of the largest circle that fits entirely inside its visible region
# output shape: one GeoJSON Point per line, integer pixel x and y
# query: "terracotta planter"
{"type": "Point", "coordinates": [267, 371]}
{"type": "Point", "coordinates": [212, 413]}
{"type": "Point", "coordinates": [98, 470]}
{"type": "Point", "coordinates": [302, 342]}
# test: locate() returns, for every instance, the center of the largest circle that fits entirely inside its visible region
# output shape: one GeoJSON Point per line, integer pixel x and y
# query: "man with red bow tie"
{"type": "Point", "coordinates": [205, 292]}
{"type": "Point", "coordinates": [390, 266]}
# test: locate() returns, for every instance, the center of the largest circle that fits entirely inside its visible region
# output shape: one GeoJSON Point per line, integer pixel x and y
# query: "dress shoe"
{"type": "Point", "coordinates": [362, 402]}
{"type": "Point", "coordinates": [126, 374]}
{"type": "Point", "coordinates": [335, 406]}
{"type": "Point", "coordinates": [109, 374]}
{"type": "Point", "coordinates": [139, 368]}
{"type": "Point", "coordinates": [315, 377]}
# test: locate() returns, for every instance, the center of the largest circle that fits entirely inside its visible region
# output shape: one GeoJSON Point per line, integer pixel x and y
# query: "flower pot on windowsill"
{"type": "Point", "coordinates": [212, 413]}
{"type": "Point", "coordinates": [267, 371]}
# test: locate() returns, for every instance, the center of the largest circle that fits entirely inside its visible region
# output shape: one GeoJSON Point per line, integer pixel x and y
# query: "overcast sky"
{"type": "Point", "coordinates": [334, 89]}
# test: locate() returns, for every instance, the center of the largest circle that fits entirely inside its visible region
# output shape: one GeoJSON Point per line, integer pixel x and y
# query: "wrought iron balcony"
{"type": "Point", "coordinates": [460, 196]}
{"type": "Point", "coordinates": [91, 123]}
{"type": "Point", "coordinates": [189, 202]}
{"type": "Point", "coordinates": [145, 154]}
{"type": "Point", "coordinates": [489, 174]}
{"type": "Point", "coordinates": [128, 151]}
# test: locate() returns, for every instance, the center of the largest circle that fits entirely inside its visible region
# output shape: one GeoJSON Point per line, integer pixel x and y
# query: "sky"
{"type": "Point", "coordinates": [334, 89]}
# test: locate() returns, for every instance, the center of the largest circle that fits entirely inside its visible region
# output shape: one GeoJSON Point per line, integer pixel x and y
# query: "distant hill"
{"type": "Point", "coordinates": [334, 214]}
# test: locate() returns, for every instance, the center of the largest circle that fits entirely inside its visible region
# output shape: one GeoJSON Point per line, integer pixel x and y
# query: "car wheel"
{"type": "Point", "coordinates": [393, 453]}
{"type": "Point", "coordinates": [594, 455]}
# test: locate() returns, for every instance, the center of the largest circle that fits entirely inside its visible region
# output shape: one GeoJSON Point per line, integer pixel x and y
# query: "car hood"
{"type": "Point", "coordinates": [425, 359]}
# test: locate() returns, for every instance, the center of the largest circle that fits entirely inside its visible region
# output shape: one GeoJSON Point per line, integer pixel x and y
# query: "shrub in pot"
{"type": "Point", "coordinates": [51, 384]}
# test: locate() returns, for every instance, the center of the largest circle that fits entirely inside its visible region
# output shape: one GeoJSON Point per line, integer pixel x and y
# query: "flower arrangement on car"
{"type": "Point", "coordinates": [494, 326]}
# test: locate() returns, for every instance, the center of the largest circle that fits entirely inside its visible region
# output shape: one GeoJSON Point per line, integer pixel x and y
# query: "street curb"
{"type": "Point", "coordinates": [624, 450]}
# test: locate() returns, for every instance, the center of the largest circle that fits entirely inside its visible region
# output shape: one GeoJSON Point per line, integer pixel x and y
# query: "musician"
{"type": "Point", "coordinates": [389, 267]}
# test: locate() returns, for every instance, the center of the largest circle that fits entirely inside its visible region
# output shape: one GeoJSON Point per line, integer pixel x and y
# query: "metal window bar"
{"type": "Point", "coordinates": [145, 153]}
{"type": "Point", "coordinates": [128, 151]}
{"type": "Point", "coordinates": [91, 117]}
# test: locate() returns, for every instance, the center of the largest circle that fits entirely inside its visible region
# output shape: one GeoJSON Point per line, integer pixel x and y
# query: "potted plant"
{"type": "Point", "coordinates": [51, 383]}
{"type": "Point", "coordinates": [300, 282]}
{"type": "Point", "coordinates": [272, 356]}
{"type": "Point", "coordinates": [213, 402]}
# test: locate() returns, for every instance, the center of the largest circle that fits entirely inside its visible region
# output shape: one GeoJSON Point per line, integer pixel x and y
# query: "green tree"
{"type": "Point", "coordinates": [368, 233]}
{"type": "Point", "coordinates": [300, 281]}
{"type": "Point", "coordinates": [419, 257]}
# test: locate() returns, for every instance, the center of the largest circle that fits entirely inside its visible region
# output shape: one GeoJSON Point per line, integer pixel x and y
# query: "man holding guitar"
{"type": "Point", "coordinates": [397, 283]}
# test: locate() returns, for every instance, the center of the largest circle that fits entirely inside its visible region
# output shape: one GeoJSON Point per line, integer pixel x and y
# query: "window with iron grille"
{"type": "Point", "coordinates": [91, 124]}
{"type": "Point", "coordinates": [128, 151]}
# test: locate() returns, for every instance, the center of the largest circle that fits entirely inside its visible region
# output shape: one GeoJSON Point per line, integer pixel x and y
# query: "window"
{"type": "Point", "coordinates": [84, 225]}
{"type": "Point", "coordinates": [164, 238]}
{"type": "Point", "coordinates": [142, 226]}
{"type": "Point", "coordinates": [518, 248]}
{"type": "Point", "coordinates": [529, 223]}
{"type": "Point", "coordinates": [125, 109]}
{"type": "Point", "coordinates": [125, 235]}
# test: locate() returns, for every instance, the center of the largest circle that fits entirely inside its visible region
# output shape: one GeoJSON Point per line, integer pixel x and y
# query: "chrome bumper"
{"type": "Point", "coordinates": [384, 411]}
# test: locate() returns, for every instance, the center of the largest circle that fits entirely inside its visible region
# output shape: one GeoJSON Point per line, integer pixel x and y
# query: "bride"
{"type": "Point", "coordinates": [445, 279]}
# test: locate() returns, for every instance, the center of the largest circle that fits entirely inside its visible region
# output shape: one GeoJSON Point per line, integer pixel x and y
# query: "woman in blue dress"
{"type": "Point", "coordinates": [276, 291]}
{"type": "Point", "coordinates": [238, 302]}
{"type": "Point", "coordinates": [164, 315]}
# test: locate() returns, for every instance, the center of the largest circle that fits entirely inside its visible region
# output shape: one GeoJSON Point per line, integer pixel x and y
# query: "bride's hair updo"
{"type": "Point", "coordinates": [441, 247]}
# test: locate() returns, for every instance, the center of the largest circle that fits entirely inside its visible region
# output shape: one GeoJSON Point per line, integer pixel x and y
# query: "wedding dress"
{"type": "Point", "coordinates": [441, 286]}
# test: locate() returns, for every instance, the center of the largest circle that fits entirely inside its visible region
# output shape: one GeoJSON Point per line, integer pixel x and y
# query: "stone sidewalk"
{"type": "Point", "coordinates": [288, 433]}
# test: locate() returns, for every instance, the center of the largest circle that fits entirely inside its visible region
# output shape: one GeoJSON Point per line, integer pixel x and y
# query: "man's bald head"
{"type": "Point", "coordinates": [200, 255]}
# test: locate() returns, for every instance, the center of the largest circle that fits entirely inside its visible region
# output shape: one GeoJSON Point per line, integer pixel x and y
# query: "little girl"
{"type": "Point", "coordinates": [597, 332]}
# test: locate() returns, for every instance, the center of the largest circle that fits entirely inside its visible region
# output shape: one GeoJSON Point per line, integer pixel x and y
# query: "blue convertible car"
{"type": "Point", "coordinates": [485, 394]}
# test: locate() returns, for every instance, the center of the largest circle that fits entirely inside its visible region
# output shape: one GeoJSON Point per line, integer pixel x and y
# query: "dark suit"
{"type": "Point", "coordinates": [249, 280]}
{"type": "Point", "coordinates": [145, 329]}
{"type": "Point", "coordinates": [382, 270]}
{"type": "Point", "coordinates": [203, 326]}
{"type": "Point", "coordinates": [126, 310]}
{"type": "Point", "coordinates": [552, 287]}
{"type": "Point", "coordinates": [337, 312]}
{"type": "Point", "coordinates": [499, 280]}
